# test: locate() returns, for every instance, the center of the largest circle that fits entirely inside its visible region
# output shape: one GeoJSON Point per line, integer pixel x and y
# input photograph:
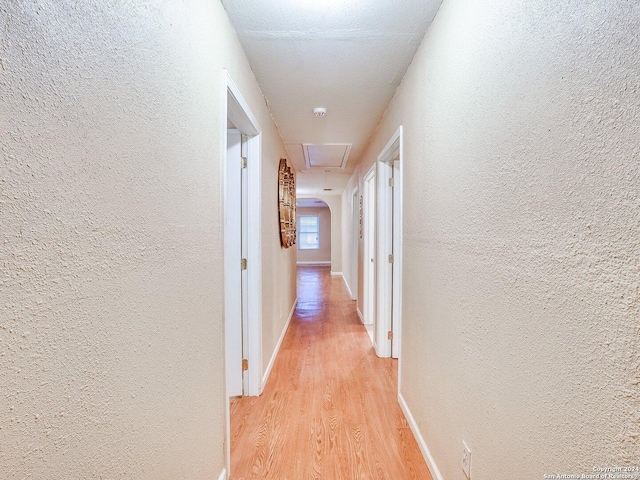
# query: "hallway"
{"type": "Point", "coordinates": [329, 410]}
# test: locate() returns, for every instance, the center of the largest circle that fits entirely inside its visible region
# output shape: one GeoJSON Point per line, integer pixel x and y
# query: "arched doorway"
{"type": "Point", "coordinates": [314, 232]}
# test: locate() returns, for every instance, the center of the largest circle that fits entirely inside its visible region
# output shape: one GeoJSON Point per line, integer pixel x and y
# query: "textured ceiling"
{"type": "Point", "coordinates": [345, 55]}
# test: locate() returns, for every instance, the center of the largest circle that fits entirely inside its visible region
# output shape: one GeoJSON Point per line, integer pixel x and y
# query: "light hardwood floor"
{"type": "Point", "coordinates": [329, 410]}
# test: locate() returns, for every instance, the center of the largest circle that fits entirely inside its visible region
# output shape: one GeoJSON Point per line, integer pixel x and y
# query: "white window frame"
{"type": "Point", "coordinates": [300, 243]}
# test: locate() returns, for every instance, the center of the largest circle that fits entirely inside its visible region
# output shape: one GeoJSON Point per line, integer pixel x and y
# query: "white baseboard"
{"type": "Point", "coordinates": [426, 453]}
{"type": "Point", "coordinates": [314, 264]}
{"type": "Point", "coordinates": [223, 474]}
{"type": "Point", "coordinates": [265, 377]}
{"type": "Point", "coordinates": [346, 284]}
{"type": "Point", "coordinates": [360, 315]}
{"type": "Point", "coordinates": [336, 274]}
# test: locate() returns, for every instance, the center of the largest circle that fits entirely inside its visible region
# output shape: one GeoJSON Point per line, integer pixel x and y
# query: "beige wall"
{"type": "Point", "coordinates": [111, 361]}
{"type": "Point", "coordinates": [323, 254]}
{"type": "Point", "coordinates": [521, 204]}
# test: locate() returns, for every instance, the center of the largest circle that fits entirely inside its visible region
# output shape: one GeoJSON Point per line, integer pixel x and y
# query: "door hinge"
{"type": "Point", "coordinates": [243, 162]}
{"type": "Point", "coordinates": [391, 182]}
{"type": "Point", "coordinates": [390, 335]}
{"type": "Point", "coordinates": [245, 364]}
{"type": "Point", "coordinates": [391, 258]}
{"type": "Point", "coordinates": [243, 264]}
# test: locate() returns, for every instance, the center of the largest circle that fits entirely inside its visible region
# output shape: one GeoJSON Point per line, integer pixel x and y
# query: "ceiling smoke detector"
{"type": "Point", "coordinates": [319, 111]}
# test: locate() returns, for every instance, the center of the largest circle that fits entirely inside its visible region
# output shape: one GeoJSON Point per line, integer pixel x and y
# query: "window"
{"type": "Point", "coordinates": [309, 228]}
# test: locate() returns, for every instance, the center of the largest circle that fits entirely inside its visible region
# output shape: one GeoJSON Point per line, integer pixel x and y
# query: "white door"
{"type": "Point", "coordinates": [235, 276]}
{"type": "Point", "coordinates": [396, 277]}
{"type": "Point", "coordinates": [244, 234]}
{"type": "Point", "coordinates": [384, 256]}
{"type": "Point", "coordinates": [389, 249]}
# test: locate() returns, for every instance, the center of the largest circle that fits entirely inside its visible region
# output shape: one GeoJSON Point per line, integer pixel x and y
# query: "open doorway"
{"type": "Point", "coordinates": [369, 254]}
{"type": "Point", "coordinates": [314, 245]}
{"type": "Point", "coordinates": [355, 235]}
{"type": "Point", "coordinates": [389, 248]}
{"type": "Point", "coordinates": [242, 245]}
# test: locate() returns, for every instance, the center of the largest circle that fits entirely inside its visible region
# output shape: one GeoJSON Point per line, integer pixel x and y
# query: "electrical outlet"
{"type": "Point", "coordinates": [466, 460]}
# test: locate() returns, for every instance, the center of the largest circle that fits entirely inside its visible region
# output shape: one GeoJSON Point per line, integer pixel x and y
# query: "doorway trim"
{"type": "Point", "coordinates": [389, 242]}
{"type": "Point", "coordinates": [236, 110]}
{"type": "Point", "coordinates": [356, 225]}
{"type": "Point", "coordinates": [369, 259]}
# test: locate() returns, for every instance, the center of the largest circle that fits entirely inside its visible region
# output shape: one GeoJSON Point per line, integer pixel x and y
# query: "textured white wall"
{"type": "Point", "coordinates": [521, 248]}
{"type": "Point", "coordinates": [110, 252]}
{"type": "Point", "coordinates": [278, 264]}
{"type": "Point", "coordinates": [322, 254]}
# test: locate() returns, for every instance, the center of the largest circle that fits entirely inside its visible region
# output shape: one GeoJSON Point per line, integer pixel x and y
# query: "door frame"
{"type": "Point", "coordinates": [355, 206]}
{"type": "Point", "coordinates": [236, 110]}
{"type": "Point", "coordinates": [369, 251]}
{"type": "Point", "coordinates": [389, 242]}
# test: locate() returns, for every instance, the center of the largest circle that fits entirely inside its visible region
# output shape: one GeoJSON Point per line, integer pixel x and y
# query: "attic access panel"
{"type": "Point", "coordinates": [327, 155]}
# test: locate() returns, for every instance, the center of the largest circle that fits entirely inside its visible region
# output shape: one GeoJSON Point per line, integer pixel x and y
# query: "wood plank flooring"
{"type": "Point", "coordinates": [329, 410]}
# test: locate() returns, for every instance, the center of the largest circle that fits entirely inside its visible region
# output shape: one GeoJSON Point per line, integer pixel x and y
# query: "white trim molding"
{"type": "Point", "coordinates": [426, 453]}
{"type": "Point", "coordinates": [267, 371]}
{"type": "Point", "coordinates": [360, 315]}
{"type": "Point", "coordinates": [346, 284]}
{"type": "Point", "coordinates": [223, 474]}
{"type": "Point", "coordinates": [389, 242]}
{"type": "Point", "coordinates": [336, 274]}
{"type": "Point", "coordinates": [314, 264]}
